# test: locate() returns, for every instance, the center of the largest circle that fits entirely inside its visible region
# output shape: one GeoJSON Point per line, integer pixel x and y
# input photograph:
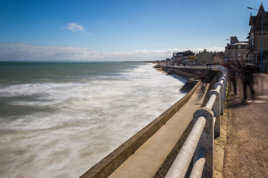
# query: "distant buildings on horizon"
{"type": "Point", "coordinates": [254, 50]}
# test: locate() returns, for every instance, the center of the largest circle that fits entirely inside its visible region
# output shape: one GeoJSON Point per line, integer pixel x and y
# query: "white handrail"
{"type": "Point", "coordinates": [183, 160]}
{"type": "Point", "coordinates": [211, 101]}
{"type": "Point", "coordinates": [205, 119]}
{"type": "Point", "coordinates": [198, 168]}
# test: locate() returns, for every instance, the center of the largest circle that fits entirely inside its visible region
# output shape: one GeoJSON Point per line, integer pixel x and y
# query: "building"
{"type": "Point", "coordinates": [204, 57]}
{"type": "Point", "coordinates": [258, 38]}
{"type": "Point", "coordinates": [218, 58]}
{"type": "Point", "coordinates": [236, 50]}
{"type": "Point", "coordinates": [209, 57]}
{"type": "Point", "coordinates": [185, 57]}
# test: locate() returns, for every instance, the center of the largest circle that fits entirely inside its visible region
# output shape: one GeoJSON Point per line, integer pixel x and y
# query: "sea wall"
{"type": "Point", "coordinates": [111, 162]}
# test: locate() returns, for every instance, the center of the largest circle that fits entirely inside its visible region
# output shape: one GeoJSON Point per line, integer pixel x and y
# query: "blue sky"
{"type": "Point", "coordinates": [117, 29]}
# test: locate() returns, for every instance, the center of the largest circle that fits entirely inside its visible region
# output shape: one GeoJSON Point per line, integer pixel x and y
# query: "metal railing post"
{"type": "Point", "coordinates": [206, 142]}
{"type": "Point", "coordinates": [224, 82]}
{"type": "Point", "coordinates": [221, 83]}
{"type": "Point", "coordinates": [217, 109]}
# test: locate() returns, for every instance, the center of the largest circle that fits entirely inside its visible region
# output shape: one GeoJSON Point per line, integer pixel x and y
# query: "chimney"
{"type": "Point", "coordinates": [233, 40]}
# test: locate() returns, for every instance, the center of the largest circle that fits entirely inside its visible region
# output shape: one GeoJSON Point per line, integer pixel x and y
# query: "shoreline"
{"type": "Point", "coordinates": [190, 79]}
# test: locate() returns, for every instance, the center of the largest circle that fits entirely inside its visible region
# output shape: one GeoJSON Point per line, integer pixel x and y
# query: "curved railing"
{"type": "Point", "coordinates": [196, 155]}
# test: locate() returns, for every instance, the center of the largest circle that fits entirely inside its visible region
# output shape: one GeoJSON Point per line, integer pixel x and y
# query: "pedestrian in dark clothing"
{"type": "Point", "coordinates": [232, 78]}
{"type": "Point", "coordinates": [232, 75]}
{"type": "Point", "coordinates": [248, 80]}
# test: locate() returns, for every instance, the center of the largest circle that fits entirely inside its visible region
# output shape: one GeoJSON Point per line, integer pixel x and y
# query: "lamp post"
{"type": "Point", "coordinates": [261, 39]}
{"type": "Point", "coordinates": [261, 47]}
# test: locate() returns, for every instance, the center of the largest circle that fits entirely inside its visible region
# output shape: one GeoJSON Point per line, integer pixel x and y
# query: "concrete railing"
{"type": "Point", "coordinates": [196, 155]}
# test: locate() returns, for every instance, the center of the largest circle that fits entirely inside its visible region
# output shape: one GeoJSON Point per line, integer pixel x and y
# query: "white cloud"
{"type": "Point", "coordinates": [24, 52]}
{"type": "Point", "coordinates": [74, 27]}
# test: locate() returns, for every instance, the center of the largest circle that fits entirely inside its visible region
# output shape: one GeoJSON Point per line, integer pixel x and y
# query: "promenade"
{"type": "Point", "coordinates": [246, 151]}
{"type": "Point", "coordinates": [151, 152]}
{"type": "Point", "coordinates": [147, 160]}
{"type": "Point", "coordinates": [243, 154]}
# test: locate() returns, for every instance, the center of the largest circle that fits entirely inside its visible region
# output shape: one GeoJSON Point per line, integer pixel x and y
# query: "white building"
{"type": "Point", "coordinates": [236, 50]}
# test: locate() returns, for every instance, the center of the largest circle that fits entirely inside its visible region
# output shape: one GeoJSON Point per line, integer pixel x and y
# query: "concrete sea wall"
{"type": "Point", "coordinates": [112, 161]}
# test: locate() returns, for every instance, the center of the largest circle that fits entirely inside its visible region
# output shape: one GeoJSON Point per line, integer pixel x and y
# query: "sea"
{"type": "Point", "coordinates": [60, 119]}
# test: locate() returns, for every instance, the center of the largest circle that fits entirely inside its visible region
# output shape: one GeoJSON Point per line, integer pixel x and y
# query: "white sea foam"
{"type": "Point", "coordinates": [88, 121]}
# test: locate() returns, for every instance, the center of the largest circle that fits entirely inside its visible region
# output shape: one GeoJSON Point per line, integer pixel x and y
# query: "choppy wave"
{"type": "Point", "coordinates": [81, 121]}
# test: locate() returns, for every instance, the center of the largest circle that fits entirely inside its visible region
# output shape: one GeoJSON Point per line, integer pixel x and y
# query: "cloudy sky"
{"type": "Point", "coordinates": [99, 30]}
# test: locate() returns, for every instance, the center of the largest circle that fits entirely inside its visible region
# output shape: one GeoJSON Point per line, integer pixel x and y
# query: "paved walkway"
{"type": "Point", "coordinates": [146, 161]}
{"type": "Point", "coordinates": [246, 152]}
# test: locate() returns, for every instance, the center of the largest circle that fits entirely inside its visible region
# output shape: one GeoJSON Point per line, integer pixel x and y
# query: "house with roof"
{"type": "Point", "coordinates": [258, 38]}
{"type": "Point", "coordinates": [184, 57]}
{"type": "Point", "coordinates": [236, 50]}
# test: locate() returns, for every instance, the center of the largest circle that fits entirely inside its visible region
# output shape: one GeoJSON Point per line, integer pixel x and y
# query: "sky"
{"type": "Point", "coordinates": [100, 30]}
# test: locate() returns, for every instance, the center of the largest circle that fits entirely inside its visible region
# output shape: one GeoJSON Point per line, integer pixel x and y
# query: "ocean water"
{"type": "Point", "coordinates": [58, 120]}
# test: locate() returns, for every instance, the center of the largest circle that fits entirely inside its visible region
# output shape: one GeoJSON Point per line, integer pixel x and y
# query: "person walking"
{"type": "Point", "coordinates": [247, 80]}
{"type": "Point", "coordinates": [232, 75]}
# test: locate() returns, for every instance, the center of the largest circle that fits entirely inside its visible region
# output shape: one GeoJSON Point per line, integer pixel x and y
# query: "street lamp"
{"type": "Point", "coordinates": [261, 39]}
{"type": "Point", "coordinates": [251, 8]}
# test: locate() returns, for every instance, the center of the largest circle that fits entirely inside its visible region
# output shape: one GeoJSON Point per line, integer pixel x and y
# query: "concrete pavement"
{"type": "Point", "coordinates": [246, 151]}
{"type": "Point", "coordinates": [147, 160]}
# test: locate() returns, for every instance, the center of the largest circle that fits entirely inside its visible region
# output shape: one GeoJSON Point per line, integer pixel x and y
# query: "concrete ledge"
{"type": "Point", "coordinates": [111, 162]}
